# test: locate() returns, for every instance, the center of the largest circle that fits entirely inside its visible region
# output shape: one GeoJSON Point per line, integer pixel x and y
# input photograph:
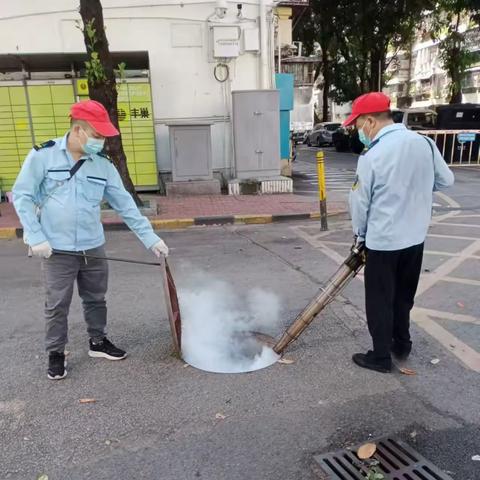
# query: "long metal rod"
{"type": "Point", "coordinates": [112, 259]}
{"type": "Point", "coordinates": [337, 282]}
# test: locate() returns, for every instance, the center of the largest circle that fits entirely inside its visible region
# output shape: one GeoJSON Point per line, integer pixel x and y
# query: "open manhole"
{"type": "Point", "coordinates": [396, 460]}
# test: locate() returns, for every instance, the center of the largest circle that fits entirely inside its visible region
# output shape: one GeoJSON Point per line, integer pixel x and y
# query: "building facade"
{"type": "Point", "coordinates": [416, 78]}
{"type": "Point", "coordinates": [183, 60]}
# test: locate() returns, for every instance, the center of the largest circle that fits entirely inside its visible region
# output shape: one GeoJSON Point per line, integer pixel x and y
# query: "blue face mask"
{"type": "Point", "coordinates": [93, 145]}
{"type": "Point", "coordinates": [363, 137]}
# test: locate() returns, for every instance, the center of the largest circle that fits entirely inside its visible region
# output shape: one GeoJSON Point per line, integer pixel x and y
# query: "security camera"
{"type": "Point", "coordinates": [221, 8]}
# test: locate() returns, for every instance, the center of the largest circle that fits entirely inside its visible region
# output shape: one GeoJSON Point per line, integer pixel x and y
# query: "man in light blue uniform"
{"type": "Point", "coordinates": [57, 196]}
{"type": "Point", "coordinates": [391, 207]}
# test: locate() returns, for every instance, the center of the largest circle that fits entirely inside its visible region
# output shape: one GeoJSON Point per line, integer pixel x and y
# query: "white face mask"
{"type": "Point", "coordinates": [92, 145]}
{"type": "Point", "coordinates": [362, 136]}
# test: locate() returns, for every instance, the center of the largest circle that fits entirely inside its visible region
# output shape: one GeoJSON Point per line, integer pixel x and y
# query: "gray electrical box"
{"type": "Point", "coordinates": [191, 151]}
{"type": "Point", "coordinates": [256, 127]}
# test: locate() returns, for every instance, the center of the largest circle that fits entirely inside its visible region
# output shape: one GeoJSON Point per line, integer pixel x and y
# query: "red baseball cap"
{"type": "Point", "coordinates": [95, 114]}
{"type": "Point", "coordinates": [373, 102]}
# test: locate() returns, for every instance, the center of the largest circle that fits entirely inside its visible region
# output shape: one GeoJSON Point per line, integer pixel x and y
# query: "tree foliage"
{"type": "Point", "coordinates": [102, 84]}
{"type": "Point", "coordinates": [455, 56]}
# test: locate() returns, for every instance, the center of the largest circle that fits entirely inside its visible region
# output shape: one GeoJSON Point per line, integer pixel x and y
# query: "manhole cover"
{"type": "Point", "coordinates": [396, 460]}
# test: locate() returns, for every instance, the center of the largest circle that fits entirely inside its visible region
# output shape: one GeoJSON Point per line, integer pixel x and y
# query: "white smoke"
{"type": "Point", "coordinates": [217, 323]}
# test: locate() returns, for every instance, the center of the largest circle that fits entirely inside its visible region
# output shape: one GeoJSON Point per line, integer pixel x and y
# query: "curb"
{"type": "Point", "coordinates": [181, 223]}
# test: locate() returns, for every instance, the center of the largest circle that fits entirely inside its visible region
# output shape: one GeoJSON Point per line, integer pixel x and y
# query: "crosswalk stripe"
{"type": "Point", "coordinates": [337, 180]}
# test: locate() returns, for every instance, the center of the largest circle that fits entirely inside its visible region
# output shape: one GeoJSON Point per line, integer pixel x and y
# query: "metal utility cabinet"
{"type": "Point", "coordinates": [191, 154]}
{"type": "Point", "coordinates": [256, 125]}
{"type": "Point", "coordinates": [191, 151]}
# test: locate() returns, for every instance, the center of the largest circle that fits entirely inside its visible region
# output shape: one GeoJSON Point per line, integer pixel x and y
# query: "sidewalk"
{"type": "Point", "coordinates": [185, 211]}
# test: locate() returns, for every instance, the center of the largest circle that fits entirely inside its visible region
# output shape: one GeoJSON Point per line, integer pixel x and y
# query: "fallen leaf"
{"type": "Point", "coordinates": [87, 400]}
{"type": "Point", "coordinates": [476, 458]}
{"type": "Point", "coordinates": [407, 371]}
{"type": "Point", "coordinates": [43, 477]}
{"type": "Point", "coordinates": [460, 305]}
{"type": "Point", "coordinates": [220, 416]}
{"type": "Point", "coordinates": [285, 361]}
{"type": "Point", "coordinates": [434, 361]}
{"type": "Point", "coordinates": [366, 451]}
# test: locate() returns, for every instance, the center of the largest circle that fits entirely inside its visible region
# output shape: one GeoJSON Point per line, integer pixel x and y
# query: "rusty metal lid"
{"type": "Point", "coordinates": [173, 307]}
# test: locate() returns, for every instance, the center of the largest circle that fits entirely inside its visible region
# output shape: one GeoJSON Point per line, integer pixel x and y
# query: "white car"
{"type": "Point", "coordinates": [322, 134]}
{"type": "Point", "coordinates": [416, 118]}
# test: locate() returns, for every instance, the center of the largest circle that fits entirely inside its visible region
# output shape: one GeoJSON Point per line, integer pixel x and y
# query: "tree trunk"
{"type": "Point", "coordinates": [105, 91]}
{"type": "Point", "coordinates": [375, 72]}
{"type": "Point", "coordinates": [326, 83]}
{"type": "Point", "coordinates": [456, 75]}
{"type": "Point", "coordinates": [456, 87]}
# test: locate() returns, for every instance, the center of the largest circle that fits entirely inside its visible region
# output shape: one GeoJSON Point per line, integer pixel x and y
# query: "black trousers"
{"type": "Point", "coordinates": [391, 280]}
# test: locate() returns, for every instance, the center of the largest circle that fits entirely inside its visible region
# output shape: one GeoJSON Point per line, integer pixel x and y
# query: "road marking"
{"type": "Point", "coordinates": [422, 316]}
{"type": "Point", "coordinates": [448, 200]}
{"type": "Point", "coordinates": [454, 237]}
{"type": "Point", "coordinates": [456, 317]}
{"type": "Point", "coordinates": [463, 281]}
{"type": "Point", "coordinates": [443, 270]}
{"type": "Point", "coordinates": [459, 225]}
{"type": "Point", "coordinates": [466, 354]}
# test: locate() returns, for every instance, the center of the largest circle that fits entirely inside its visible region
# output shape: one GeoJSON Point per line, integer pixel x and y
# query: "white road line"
{"type": "Point", "coordinates": [465, 353]}
{"type": "Point", "coordinates": [459, 225]}
{"type": "Point", "coordinates": [456, 317]}
{"type": "Point", "coordinates": [428, 281]}
{"type": "Point", "coordinates": [421, 316]}
{"type": "Point", "coordinates": [454, 237]}
{"type": "Point", "coordinates": [463, 281]}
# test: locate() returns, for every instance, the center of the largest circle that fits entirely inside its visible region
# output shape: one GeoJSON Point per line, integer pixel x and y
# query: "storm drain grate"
{"type": "Point", "coordinates": [396, 460]}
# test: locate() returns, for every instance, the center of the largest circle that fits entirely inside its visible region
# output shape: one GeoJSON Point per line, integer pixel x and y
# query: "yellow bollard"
{"type": "Point", "coordinates": [322, 190]}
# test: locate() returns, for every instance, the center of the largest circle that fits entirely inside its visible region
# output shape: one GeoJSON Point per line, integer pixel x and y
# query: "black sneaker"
{"type": "Point", "coordinates": [401, 351]}
{"type": "Point", "coordinates": [106, 349]}
{"type": "Point", "coordinates": [368, 360]}
{"type": "Point", "coordinates": [56, 366]}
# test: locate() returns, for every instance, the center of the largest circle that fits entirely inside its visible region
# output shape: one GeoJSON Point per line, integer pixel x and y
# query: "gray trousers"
{"type": "Point", "coordinates": [59, 274]}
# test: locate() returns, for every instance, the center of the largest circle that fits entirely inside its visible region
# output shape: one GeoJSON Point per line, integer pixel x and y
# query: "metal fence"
{"type": "Point", "coordinates": [458, 147]}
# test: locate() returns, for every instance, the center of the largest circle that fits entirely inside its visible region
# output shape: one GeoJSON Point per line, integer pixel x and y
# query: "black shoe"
{"type": "Point", "coordinates": [401, 351]}
{"type": "Point", "coordinates": [56, 366]}
{"type": "Point", "coordinates": [368, 360]}
{"type": "Point", "coordinates": [106, 349]}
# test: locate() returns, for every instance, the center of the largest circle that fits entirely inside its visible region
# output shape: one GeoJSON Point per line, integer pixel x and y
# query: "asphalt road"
{"type": "Point", "coordinates": [339, 171]}
{"type": "Point", "coordinates": [154, 418]}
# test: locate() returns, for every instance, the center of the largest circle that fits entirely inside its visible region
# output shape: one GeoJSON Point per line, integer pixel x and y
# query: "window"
{"type": "Point", "coordinates": [421, 120]}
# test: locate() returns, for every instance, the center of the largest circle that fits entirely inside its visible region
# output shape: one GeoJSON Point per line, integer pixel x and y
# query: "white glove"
{"type": "Point", "coordinates": [42, 250]}
{"type": "Point", "coordinates": [160, 248]}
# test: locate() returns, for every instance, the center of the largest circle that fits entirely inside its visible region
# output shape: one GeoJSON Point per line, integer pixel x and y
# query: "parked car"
{"type": "Point", "coordinates": [464, 116]}
{"type": "Point", "coordinates": [299, 137]}
{"type": "Point", "coordinates": [322, 134]}
{"type": "Point", "coordinates": [416, 118]}
{"type": "Point", "coordinates": [346, 140]}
